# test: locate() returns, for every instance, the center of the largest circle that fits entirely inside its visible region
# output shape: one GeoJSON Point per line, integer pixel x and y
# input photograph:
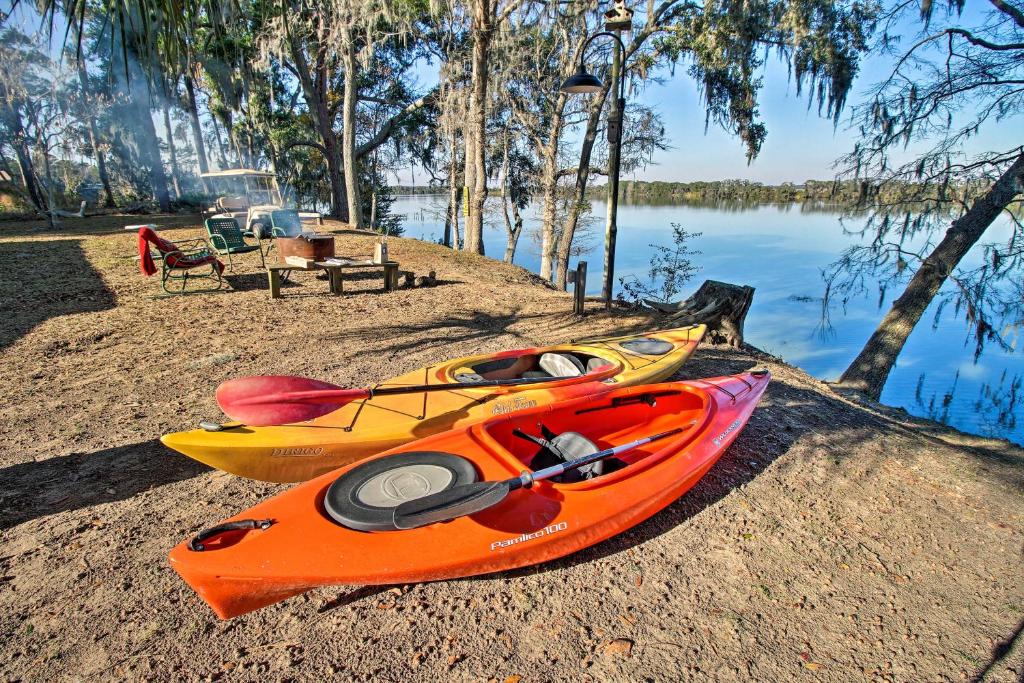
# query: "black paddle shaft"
{"type": "Point", "coordinates": [527, 478]}
{"type": "Point", "coordinates": [386, 391]}
{"type": "Point", "coordinates": [468, 499]}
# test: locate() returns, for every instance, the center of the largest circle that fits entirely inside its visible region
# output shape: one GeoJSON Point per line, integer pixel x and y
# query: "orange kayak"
{"type": "Point", "coordinates": [295, 541]}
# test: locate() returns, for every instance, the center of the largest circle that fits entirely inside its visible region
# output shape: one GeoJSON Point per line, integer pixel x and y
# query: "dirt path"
{"type": "Point", "coordinates": [833, 541]}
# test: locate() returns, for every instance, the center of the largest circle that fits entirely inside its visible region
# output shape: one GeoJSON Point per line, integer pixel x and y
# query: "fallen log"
{"type": "Point", "coordinates": [719, 305]}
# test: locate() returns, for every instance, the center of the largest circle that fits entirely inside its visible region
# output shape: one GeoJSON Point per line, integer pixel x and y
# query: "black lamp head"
{"type": "Point", "coordinates": [582, 83]}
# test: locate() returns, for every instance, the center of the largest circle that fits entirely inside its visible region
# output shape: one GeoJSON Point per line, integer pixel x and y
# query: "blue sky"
{"type": "Point", "coordinates": [800, 145]}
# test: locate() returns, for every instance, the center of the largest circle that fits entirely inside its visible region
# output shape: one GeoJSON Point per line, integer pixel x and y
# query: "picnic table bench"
{"type": "Point", "coordinates": [335, 269]}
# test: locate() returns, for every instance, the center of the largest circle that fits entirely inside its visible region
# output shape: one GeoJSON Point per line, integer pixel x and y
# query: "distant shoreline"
{"type": "Point", "coordinates": [745, 191]}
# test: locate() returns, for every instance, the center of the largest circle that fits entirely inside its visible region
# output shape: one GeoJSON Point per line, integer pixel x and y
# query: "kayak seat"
{"type": "Point", "coordinates": [561, 365]}
{"type": "Point", "coordinates": [595, 363]}
{"type": "Point", "coordinates": [365, 497]}
{"type": "Point", "coordinates": [467, 377]}
{"type": "Point", "coordinates": [558, 448]}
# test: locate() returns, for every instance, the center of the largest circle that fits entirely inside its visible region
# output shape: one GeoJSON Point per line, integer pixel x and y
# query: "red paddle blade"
{"type": "Point", "coordinates": [281, 399]}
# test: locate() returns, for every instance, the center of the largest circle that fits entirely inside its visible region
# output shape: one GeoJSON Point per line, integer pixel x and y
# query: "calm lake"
{"type": "Point", "coordinates": [780, 250]}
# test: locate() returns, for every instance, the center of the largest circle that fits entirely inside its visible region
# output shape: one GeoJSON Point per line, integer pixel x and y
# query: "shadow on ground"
{"type": "Point", "coordinates": [445, 331]}
{"type": "Point", "coordinates": [80, 480]}
{"type": "Point", "coordinates": [246, 282]}
{"type": "Point", "coordinates": [43, 279]}
{"type": "Point", "coordinates": [1000, 651]}
{"type": "Point", "coordinates": [108, 224]}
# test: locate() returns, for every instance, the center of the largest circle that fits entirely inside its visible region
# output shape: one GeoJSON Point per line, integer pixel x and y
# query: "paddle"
{"type": "Point", "coordinates": [282, 399]}
{"type": "Point", "coordinates": [468, 499]}
{"type": "Point", "coordinates": [594, 340]}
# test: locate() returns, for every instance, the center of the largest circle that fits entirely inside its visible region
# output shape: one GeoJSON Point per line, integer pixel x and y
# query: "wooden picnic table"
{"type": "Point", "coordinates": [335, 269]}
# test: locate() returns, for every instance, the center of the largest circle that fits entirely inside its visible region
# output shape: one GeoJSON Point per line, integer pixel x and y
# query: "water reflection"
{"type": "Point", "coordinates": [996, 405]}
{"type": "Point", "coordinates": [741, 204]}
{"type": "Point", "coordinates": [937, 410]}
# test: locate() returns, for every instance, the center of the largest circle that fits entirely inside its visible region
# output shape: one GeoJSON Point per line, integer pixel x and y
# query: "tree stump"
{"type": "Point", "coordinates": [428, 280]}
{"type": "Point", "coordinates": [719, 305]}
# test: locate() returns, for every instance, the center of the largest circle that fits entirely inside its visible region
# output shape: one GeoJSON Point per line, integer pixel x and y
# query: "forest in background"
{"type": "Point", "coordinates": [667, 192]}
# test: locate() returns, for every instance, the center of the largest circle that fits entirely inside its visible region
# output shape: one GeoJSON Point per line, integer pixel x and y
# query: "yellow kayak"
{"type": "Point", "coordinates": [301, 451]}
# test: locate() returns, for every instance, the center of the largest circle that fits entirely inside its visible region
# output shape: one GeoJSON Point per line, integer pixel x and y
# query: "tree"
{"type": "Point", "coordinates": [487, 16]}
{"type": "Point", "coordinates": [88, 102]}
{"type": "Point", "coordinates": [19, 87]}
{"type": "Point", "coordinates": [129, 69]}
{"type": "Point", "coordinates": [670, 269]}
{"type": "Point", "coordinates": [953, 82]}
{"type": "Point", "coordinates": [518, 171]}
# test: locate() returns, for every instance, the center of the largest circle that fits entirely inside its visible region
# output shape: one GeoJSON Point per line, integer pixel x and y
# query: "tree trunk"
{"type": "Point", "coordinates": [315, 84]}
{"type": "Point", "coordinates": [513, 228]}
{"type": "Point", "coordinates": [175, 173]}
{"type": "Point", "coordinates": [101, 163]}
{"type": "Point", "coordinates": [451, 223]}
{"type": "Point", "coordinates": [579, 193]}
{"type": "Point", "coordinates": [231, 130]}
{"type": "Point", "coordinates": [468, 169]}
{"type": "Point", "coordinates": [339, 203]}
{"type": "Point", "coordinates": [24, 154]}
{"type": "Point", "coordinates": [870, 369]}
{"type": "Point", "coordinates": [51, 215]}
{"type": "Point", "coordinates": [719, 305]}
{"type": "Point", "coordinates": [348, 133]}
{"type": "Point", "coordinates": [149, 143]}
{"type": "Point", "coordinates": [135, 87]}
{"type": "Point", "coordinates": [550, 187]}
{"type": "Point", "coordinates": [220, 143]}
{"type": "Point", "coordinates": [197, 130]}
{"type": "Point", "coordinates": [482, 29]}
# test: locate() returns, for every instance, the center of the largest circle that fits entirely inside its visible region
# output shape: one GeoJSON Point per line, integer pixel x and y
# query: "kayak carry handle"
{"type": "Point", "coordinates": [650, 398]}
{"type": "Point", "coordinates": [197, 544]}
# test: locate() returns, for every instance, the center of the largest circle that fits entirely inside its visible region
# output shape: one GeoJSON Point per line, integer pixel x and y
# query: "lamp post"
{"type": "Point", "coordinates": [583, 82]}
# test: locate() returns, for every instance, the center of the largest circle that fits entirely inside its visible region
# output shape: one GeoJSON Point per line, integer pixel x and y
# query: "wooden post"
{"type": "Point", "coordinates": [275, 282]}
{"type": "Point", "coordinates": [578, 278]}
{"type": "Point", "coordinates": [390, 276]}
{"type": "Point", "coordinates": [337, 284]}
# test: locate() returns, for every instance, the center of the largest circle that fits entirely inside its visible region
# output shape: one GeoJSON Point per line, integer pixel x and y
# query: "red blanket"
{"type": "Point", "coordinates": [148, 236]}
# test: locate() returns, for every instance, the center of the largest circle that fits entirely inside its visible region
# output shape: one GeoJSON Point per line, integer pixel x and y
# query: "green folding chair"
{"type": "Point", "coordinates": [226, 238]}
{"type": "Point", "coordinates": [285, 223]}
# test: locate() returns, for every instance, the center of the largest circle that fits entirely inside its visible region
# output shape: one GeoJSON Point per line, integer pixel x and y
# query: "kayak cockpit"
{"type": "Point", "coordinates": [599, 423]}
{"type": "Point", "coordinates": [533, 364]}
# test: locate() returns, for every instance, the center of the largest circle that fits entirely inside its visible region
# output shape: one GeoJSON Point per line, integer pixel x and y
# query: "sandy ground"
{"type": "Point", "coordinates": [834, 541]}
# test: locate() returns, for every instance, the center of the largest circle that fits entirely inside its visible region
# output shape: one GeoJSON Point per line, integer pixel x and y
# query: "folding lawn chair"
{"type": "Point", "coordinates": [227, 239]}
{"type": "Point", "coordinates": [178, 261]}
